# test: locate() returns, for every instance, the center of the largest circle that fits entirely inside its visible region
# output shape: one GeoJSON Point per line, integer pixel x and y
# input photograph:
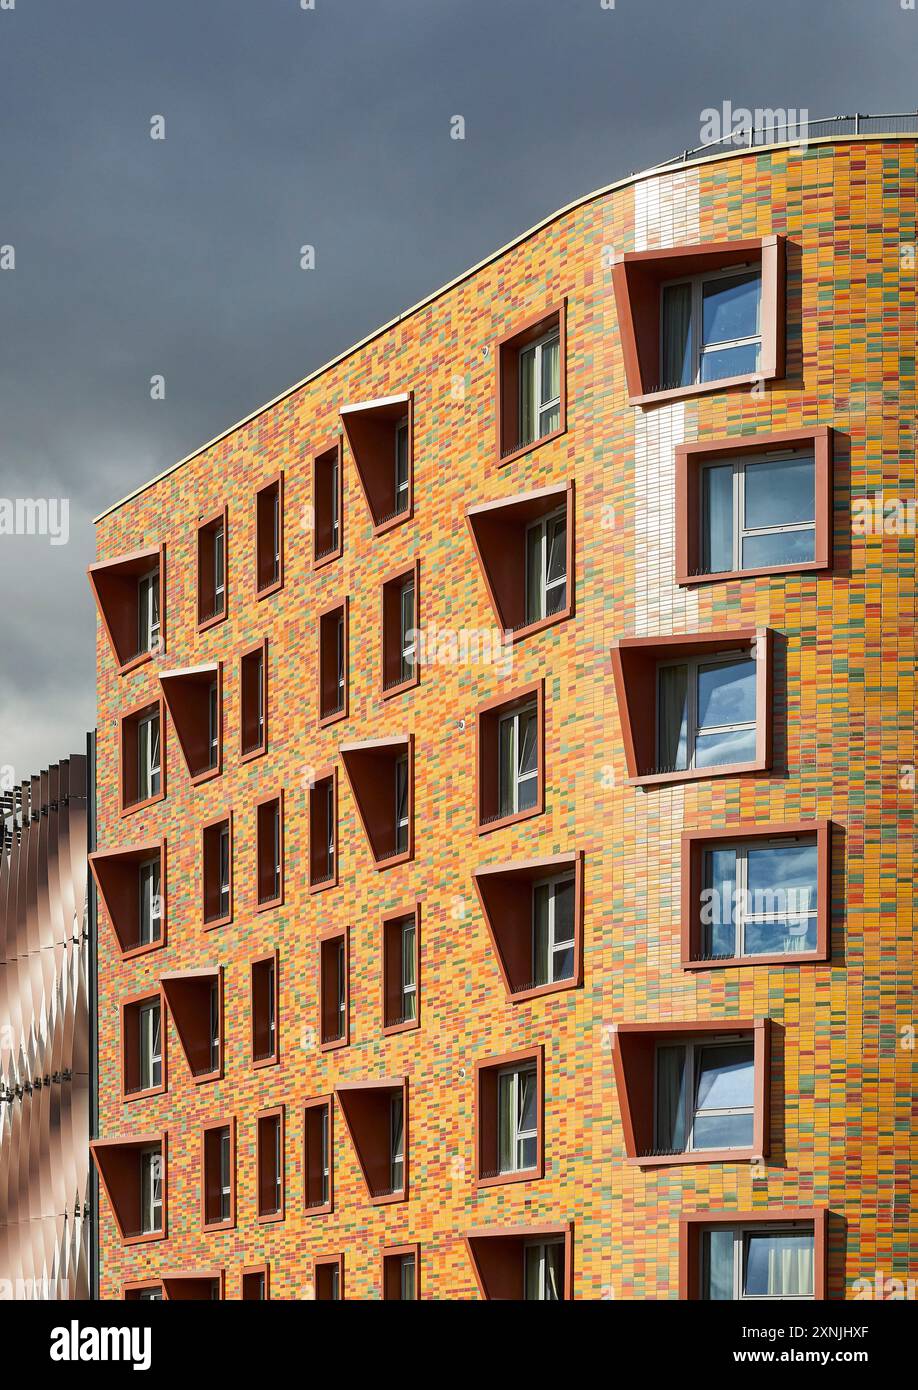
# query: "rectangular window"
{"type": "Point", "coordinates": [543, 1270]}
{"type": "Point", "coordinates": [217, 866]}
{"type": "Point", "coordinates": [758, 512]}
{"type": "Point", "coordinates": [406, 1277]}
{"type": "Point", "coordinates": [270, 851]}
{"type": "Point", "coordinates": [407, 635]}
{"type": "Point", "coordinates": [553, 927]}
{"type": "Point", "coordinates": [269, 538]}
{"type": "Point", "coordinates": [333, 990]}
{"type": "Point", "coordinates": [213, 724]}
{"type": "Point", "coordinates": [150, 906]}
{"type": "Point", "coordinates": [253, 701]}
{"type": "Point", "coordinates": [711, 327]}
{"type": "Point", "coordinates": [270, 1162]}
{"type": "Point", "coordinates": [212, 570]}
{"type": "Point", "coordinates": [317, 1157]}
{"type": "Point", "coordinates": [517, 1104]}
{"type": "Point", "coordinates": [215, 1025]}
{"type": "Point", "coordinates": [400, 622]}
{"type": "Point", "coordinates": [255, 1285]}
{"type": "Point", "coordinates": [402, 466]}
{"type": "Point", "coordinates": [757, 1262]}
{"type": "Point", "coordinates": [705, 1096]}
{"type": "Point", "coordinates": [400, 970]}
{"type": "Point", "coordinates": [518, 760]}
{"type": "Point", "coordinates": [264, 1010]}
{"type": "Point", "coordinates": [149, 766]}
{"type": "Point", "coordinates": [546, 566]}
{"type": "Point", "coordinates": [219, 1160]}
{"type": "Point", "coordinates": [323, 828]}
{"type": "Point", "coordinates": [333, 662]}
{"type": "Point", "coordinates": [402, 818]}
{"type": "Point", "coordinates": [148, 612]}
{"type": "Point", "coordinates": [706, 712]}
{"type": "Point", "coordinates": [540, 388]}
{"type": "Point", "coordinates": [396, 1142]}
{"type": "Point", "coordinates": [327, 499]}
{"type": "Point", "coordinates": [151, 1191]}
{"type": "Point", "coordinates": [328, 1279]}
{"type": "Point", "coordinates": [530, 364]}
{"type": "Point", "coordinates": [760, 898]}
{"type": "Point", "coordinates": [151, 1047]}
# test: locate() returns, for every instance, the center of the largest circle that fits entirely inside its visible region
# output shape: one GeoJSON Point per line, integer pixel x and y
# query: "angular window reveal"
{"type": "Point", "coordinates": [269, 851]}
{"type": "Point", "coordinates": [218, 1175]}
{"type": "Point", "coordinates": [509, 1118]}
{"type": "Point", "coordinates": [143, 1046]}
{"type": "Point", "coordinates": [129, 593]}
{"type": "Point", "coordinates": [400, 624]}
{"type": "Point", "coordinates": [756, 894]}
{"type": "Point", "coordinates": [217, 871]}
{"type": "Point", "coordinates": [533, 911]}
{"type": "Point", "coordinates": [376, 1115]}
{"type": "Point", "coordinates": [269, 1164]}
{"type": "Point", "coordinates": [334, 989]}
{"type": "Point", "coordinates": [194, 698]}
{"type": "Point", "coordinates": [318, 1156]}
{"type": "Point", "coordinates": [328, 1278]}
{"type": "Point", "coordinates": [754, 504]}
{"type": "Point", "coordinates": [133, 1173]}
{"type": "Point", "coordinates": [531, 390]}
{"type": "Point", "coordinates": [533, 1262]}
{"type": "Point", "coordinates": [253, 701]}
{"type": "Point", "coordinates": [511, 757]}
{"type": "Point", "coordinates": [381, 777]}
{"type": "Point", "coordinates": [327, 505]}
{"type": "Point", "coordinates": [265, 1010]}
{"type": "Point", "coordinates": [401, 1270]}
{"type": "Point", "coordinates": [700, 318]}
{"type": "Point", "coordinates": [132, 888]}
{"type": "Point", "coordinates": [401, 954]}
{"type": "Point", "coordinates": [195, 1286]}
{"type": "Point", "coordinates": [269, 537]}
{"type": "Point", "coordinates": [695, 706]}
{"type": "Point", "coordinates": [333, 662]}
{"type": "Point", "coordinates": [380, 435]}
{"type": "Point", "coordinates": [693, 1092]}
{"type": "Point", "coordinates": [525, 550]}
{"type": "Point", "coordinates": [195, 999]}
{"type": "Point", "coordinates": [768, 1254]}
{"type": "Point", "coordinates": [143, 760]}
{"type": "Point", "coordinates": [323, 830]}
{"type": "Point", "coordinates": [213, 538]}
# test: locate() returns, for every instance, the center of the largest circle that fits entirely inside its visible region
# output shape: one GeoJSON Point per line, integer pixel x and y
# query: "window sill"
{"type": "Point", "coordinates": [252, 753]}
{"type": "Point", "coordinates": [705, 1156]}
{"type": "Point", "coordinates": [524, 1175]}
{"type": "Point", "coordinates": [269, 589]}
{"type": "Point", "coordinates": [134, 951]}
{"type": "Point", "coordinates": [136, 662]}
{"type": "Point", "coordinates": [270, 1218]}
{"type": "Point", "coordinates": [213, 1227]}
{"type": "Point", "coordinates": [411, 1026]}
{"type": "Point", "coordinates": [700, 388]}
{"type": "Point", "coordinates": [324, 884]}
{"type": "Point", "coordinates": [145, 1237]}
{"type": "Point", "coordinates": [325, 1209]}
{"type": "Point", "coordinates": [485, 827]}
{"type": "Point", "coordinates": [214, 621]}
{"type": "Point", "coordinates": [723, 576]}
{"type": "Point", "coordinates": [404, 858]}
{"type": "Point", "coordinates": [142, 805]}
{"type": "Point", "coordinates": [539, 991]}
{"type": "Point", "coordinates": [128, 1096]}
{"type": "Point", "coordinates": [387, 1198]}
{"type": "Point", "coordinates": [523, 449]}
{"type": "Point", "coordinates": [319, 562]}
{"type": "Point", "coordinates": [207, 775]}
{"type": "Point", "coordinates": [736, 962]}
{"type": "Point", "coordinates": [259, 1063]}
{"type": "Point", "coordinates": [335, 717]}
{"type": "Point", "coordinates": [334, 1044]}
{"type": "Point", "coordinates": [204, 1077]}
{"type": "Point", "coordinates": [389, 692]}
{"type": "Point", "coordinates": [518, 634]}
{"type": "Point", "coordinates": [270, 903]}
{"type": "Point", "coordinates": [216, 922]}
{"type": "Point", "coordinates": [380, 528]}
{"type": "Point", "coordinates": [699, 774]}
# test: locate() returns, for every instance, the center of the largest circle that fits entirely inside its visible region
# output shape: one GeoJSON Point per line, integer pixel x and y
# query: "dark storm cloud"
{"type": "Point", "coordinates": [287, 126]}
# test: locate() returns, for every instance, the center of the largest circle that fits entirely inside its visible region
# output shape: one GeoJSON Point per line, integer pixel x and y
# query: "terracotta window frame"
{"type": "Point", "coordinates": [391, 958]}
{"type": "Point", "coordinates": [390, 631]}
{"type": "Point", "coordinates": [184, 992]}
{"type": "Point", "coordinates": [691, 1225]}
{"type": "Point", "coordinates": [312, 1109]}
{"type": "Point", "coordinates": [634, 1061]}
{"type": "Point", "coordinates": [193, 1285]}
{"type": "Point", "coordinates": [263, 1117]}
{"type": "Point", "coordinates": [358, 1098]}
{"type": "Point", "coordinates": [132, 1290]}
{"type": "Point", "coordinates": [114, 587]}
{"type": "Point", "coordinates": [635, 662]}
{"type": "Point", "coordinates": [361, 424]}
{"type": "Point", "coordinates": [690, 462]}
{"type": "Point", "coordinates": [116, 873]}
{"type": "Point", "coordinates": [272, 1058]}
{"type": "Point", "coordinates": [322, 495]}
{"type": "Point", "coordinates": [487, 1119]}
{"type": "Point", "coordinates": [694, 844]}
{"type": "Point", "coordinates": [327, 628]}
{"type": "Point", "coordinates": [210, 1127]}
{"type": "Point", "coordinates": [266, 865]}
{"type": "Point", "coordinates": [637, 278]}
{"type": "Point", "coordinates": [391, 1272]}
{"type": "Point", "coordinates": [128, 749]}
{"type": "Point", "coordinates": [262, 1271]}
{"type": "Point", "coordinates": [362, 763]}
{"type": "Point", "coordinates": [499, 531]}
{"type": "Point", "coordinates": [487, 756]}
{"type": "Point", "coordinates": [507, 349]}
{"type": "Point", "coordinates": [321, 1263]}
{"type": "Point", "coordinates": [264, 535]}
{"type": "Point", "coordinates": [210, 863]}
{"type": "Point", "coordinates": [329, 944]}
{"type": "Point", "coordinates": [318, 878]}
{"type": "Point", "coordinates": [246, 719]}
{"type": "Point", "coordinates": [115, 1161]}
{"type": "Point", "coordinates": [189, 711]}
{"type": "Point", "coordinates": [130, 1009]}
{"type": "Point", "coordinates": [208, 527]}
{"type": "Point", "coordinates": [488, 1247]}
{"type": "Point", "coordinates": [505, 893]}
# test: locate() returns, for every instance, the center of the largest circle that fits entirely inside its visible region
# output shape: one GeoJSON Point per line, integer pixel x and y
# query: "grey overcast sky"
{"type": "Point", "coordinates": [286, 126]}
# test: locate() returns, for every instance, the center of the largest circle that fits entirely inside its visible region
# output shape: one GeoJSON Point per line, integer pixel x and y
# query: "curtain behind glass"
{"type": "Point", "coordinates": [671, 1098]}
{"type": "Point", "coordinates": [717, 513]}
{"type": "Point", "coordinates": [673, 717]}
{"type": "Point", "coordinates": [677, 336]}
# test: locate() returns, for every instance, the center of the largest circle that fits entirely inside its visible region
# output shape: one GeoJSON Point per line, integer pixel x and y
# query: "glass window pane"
{"type": "Point", "coordinates": [722, 1132]}
{"type": "Point", "coordinates": [733, 361]}
{"type": "Point", "coordinates": [717, 1264]}
{"type": "Point", "coordinates": [726, 1077]}
{"type": "Point", "coordinates": [779, 1264]}
{"type": "Point", "coordinates": [726, 693]}
{"type": "Point", "coordinates": [529, 751]}
{"type": "Point", "coordinates": [780, 493]}
{"type": "Point", "coordinates": [717, 908]}
{"type": "Point", "coordinates": [730, 307]}
{"type": "Point", "coordinates": [676, 364]}
{"type": "Point", "coordinates": [673, 717]}
{"type": "Point", "coordinates": [540, 960]}
{"type": "Point", "coordinates": [670, 1098]}
{"type": "Point", "coordinates": [780, 936]}
{"type": "Point", "coordinates": [557, 548]}
{"type": "Point", "coordinates": [564, 910]}
{"type": "Point", "coordinates": [506, 774]}
{"type": "Point", "coordinates": [532, 1256]}
{"type": "Point", "coordinates": [551, 370]}
{"type": "Point", "coordinates": [528, 1093]}
{"type": "Point", "coordinates": [527, 396]}
{"type": "Point", "coordinates": [506, 1138]}
{"type": "Point", "coordinates": [718, 750]}
{"type": "Point", "coordinates": [782, 878]}
{"type": "Point", "coordinates": [717, 516]}
{"type": "Point", "coordinates": [779, 548]}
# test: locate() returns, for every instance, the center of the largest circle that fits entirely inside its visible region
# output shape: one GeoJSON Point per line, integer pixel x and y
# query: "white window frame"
{"type": "Point", "coordinates": [219, 569]}
{"type": "Point", "coordinates": [542, 524]}
{"type": "Point", "coordinates": [407, 632]}
{"type": "Point", "coordinates": [149, 772]}
{"type": "Point", "coordinates": [330, 828]}
{"type": "Point", "coordinates": [694, 1047]}
{"type": "Point", "coordinates": [324, 1137]}
{"type": "Point", "coordinates": [555, 947]}
{"type": "Point", "coordinates": [518, 1071]}
{"type": "Point", "coordinates": [335, 518]}
{"type": "Point", "coordinates": [278, 1162]}
{"type": "Point", "coordinates": [226, 1174]}
{"type": "Point", "coordinates": [542, 407]}
{"type": "Point", "coordinates": [341, 986]}
{"type": "Point", "coordinates": [340, 659]}
{"type": "Point", "coordinates": [542, 1245]}
{"type": "Point", "coordinates": [409, 992]}
{"type": "Point", "coordinates": [402, 485]}
{"type": "Point", "coordinates": [514, 717]}
{"type": "Point", "coordinates": [149, 1017]}
{"type": "Point", "coordinates": [151, 1191]}
{"type": "Point", "coordinates": [742, 905]}
{"type": "Point", "coordinates": [402, 822]}
{"type": "Point", "coordinates": [224, 869]}
{"type": "Point", "coordinates": [213, 723]}
{"type": "Point", "coordinates": [693, 665]}
{"type": "Point", "coordinates": [741, 1233]}
{"type": "Point", "coordinates": [148, 617]}
{"type": "Point", "coordinates": [272, 1009]}
{"type": "Point", "coordinates": [396, 1142]}
{"type": "Point", "coordinates": [150, 908]}
{"type": "Point", "coordinates": [697, 283]}
{"type": "Point", "coordinates": [740, 530]}
{"type": "Point", "coordinates": [215, 1029]}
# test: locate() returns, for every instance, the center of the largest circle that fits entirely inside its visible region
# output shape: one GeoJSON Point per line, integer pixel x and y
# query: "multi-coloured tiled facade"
{"type": "Point", "coordinates": [842, 1080]}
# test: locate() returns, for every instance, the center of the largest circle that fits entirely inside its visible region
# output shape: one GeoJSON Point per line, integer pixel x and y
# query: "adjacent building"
{"type": "Point", "coordinates": [506, 778]}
